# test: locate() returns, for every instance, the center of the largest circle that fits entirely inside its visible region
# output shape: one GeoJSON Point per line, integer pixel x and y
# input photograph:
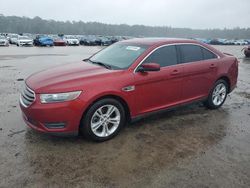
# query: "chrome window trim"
{"type": "Point", "coordinates": [175, 44]}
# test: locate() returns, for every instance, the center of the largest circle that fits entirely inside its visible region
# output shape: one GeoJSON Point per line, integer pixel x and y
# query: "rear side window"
{"type": "Point", "coordinates": [165, 56]}
{"type": "Point", "coordinates": [207, 54]}
{"type": "Point", "coordinates": [190, 53]}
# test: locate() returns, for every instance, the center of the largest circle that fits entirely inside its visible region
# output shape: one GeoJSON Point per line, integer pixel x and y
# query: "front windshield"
{"type": "Point", "coordinates": [120, 55]}
{"type": "Point", "coordinates": [24, 37]}
{"type": "Point", "coordinates": [70, 37]}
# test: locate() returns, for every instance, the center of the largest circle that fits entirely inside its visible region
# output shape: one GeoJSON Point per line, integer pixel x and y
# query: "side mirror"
{"type": "Point", "coordinates": [147, 67]}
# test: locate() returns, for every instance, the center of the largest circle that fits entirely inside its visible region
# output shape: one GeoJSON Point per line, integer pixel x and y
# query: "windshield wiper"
{"type": "Point", "coordinates": [100, 63]}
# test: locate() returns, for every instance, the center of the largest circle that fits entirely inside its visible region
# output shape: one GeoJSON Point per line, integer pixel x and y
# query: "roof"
{"type": "Point", "coordinates": [158, 41]}
{"type": "Point", "coordinates": [154, 42]}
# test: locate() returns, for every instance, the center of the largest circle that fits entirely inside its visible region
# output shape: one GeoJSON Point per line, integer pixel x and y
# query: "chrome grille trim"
{"type": "Point", "coordinates": [27, 97]}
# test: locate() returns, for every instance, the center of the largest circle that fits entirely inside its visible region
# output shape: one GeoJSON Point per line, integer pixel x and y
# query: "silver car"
{"type": "Point", "coordinates": [24, 41]}
{"type": "Point", "coordinates": [4, 41]}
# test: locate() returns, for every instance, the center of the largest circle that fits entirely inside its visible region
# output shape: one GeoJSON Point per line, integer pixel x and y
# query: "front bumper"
{"type": "Point", "coordinates": [26, 44]}
{"type": "Point", "coordinates": [3, 44]}
{"type": "Point", "coordinates": [59, 43]}
{"type": "Point", "coordinates": [40, 116]}
{"type": "Point", "coordinates": [73, 43]}
{"type": "Point", "coordinates": [46, 44]}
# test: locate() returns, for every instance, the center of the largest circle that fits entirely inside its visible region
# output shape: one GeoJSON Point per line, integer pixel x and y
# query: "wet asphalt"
{"type": "Point", "coordinates": [187, 147]}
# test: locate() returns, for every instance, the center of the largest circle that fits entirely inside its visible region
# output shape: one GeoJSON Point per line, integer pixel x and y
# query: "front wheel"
{"type": "Point", "coordinates": [218, 95]}
{"type": "Point", "coordinates": [103, 120]}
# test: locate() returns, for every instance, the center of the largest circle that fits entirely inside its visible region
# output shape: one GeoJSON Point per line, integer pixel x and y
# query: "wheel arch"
{"type": "Point", "coordinates": [113, 96]}
{"type": "Point", "coordinates": [226, 79]}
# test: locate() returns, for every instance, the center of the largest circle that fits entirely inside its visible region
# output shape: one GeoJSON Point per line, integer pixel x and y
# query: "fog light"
{"type": "Point", "coordinates": [58, 125]}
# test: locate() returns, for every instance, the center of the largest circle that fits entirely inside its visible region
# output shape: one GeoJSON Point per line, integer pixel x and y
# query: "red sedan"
{"type": "Point", "coordinates": [247, 51]}
{"type": "Point", "coordinates": [59, 42]}
{"type": "Point", "coordinates": [125, 80]}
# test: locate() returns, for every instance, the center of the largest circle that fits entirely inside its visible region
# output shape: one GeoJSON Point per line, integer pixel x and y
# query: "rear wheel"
{"type": "Point", "coordinates": [218, 95]}
{"type": "Point", "coordinates": [103, 120]}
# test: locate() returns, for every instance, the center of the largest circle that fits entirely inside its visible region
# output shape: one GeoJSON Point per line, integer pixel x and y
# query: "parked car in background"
{"type": "Point", "coordinates": [4, 41]}
{"type": "Point", "coordinates": [215, 42]}
{"type": "Point", "coordinates": [71, 40]}
{"type": "Point", "coordinates": [229, 42]}
{"type": "Point", "coordinates": [240, 42]}
{"type": "Point", "coordinates": [83, 39]}
{"type": "Point", "coordinates": [43, 40]}
{"type": "Point", "coordinates": [58, 41]}
{"type": "Point", "coordinates": [246, 51]}
{"type": "Point", "coordinates": [114, 39]}
{"type": "Point", "coordinates": [88, 40]}
{"type": "Point", "coordinates": [103, 41]}
{"type": "Point", "coordinates": [206, 41]}
{"type": "Point", "coordinates": [123, 81]}
{"type": "Point", "coordinates": [24, 41]}
{"type": "Point", "coordinates": [13, 38]}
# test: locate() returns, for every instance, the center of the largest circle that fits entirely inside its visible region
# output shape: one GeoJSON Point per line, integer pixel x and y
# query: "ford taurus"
{"type": "Point", "coordinates": [131, 78]}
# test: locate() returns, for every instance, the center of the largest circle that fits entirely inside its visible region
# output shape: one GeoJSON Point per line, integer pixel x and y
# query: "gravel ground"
{"type": "Point", "coordinates": [187, 147]}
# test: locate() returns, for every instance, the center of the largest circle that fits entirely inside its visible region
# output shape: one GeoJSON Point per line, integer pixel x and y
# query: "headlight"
{"type": "Point", "coordinates": [59, 97]}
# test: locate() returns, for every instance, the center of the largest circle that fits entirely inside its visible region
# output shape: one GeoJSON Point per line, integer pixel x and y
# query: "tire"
{"type": "Point", "coordinates": [218, 95]}
{"type": "Point", "coordinates": [97, 125]}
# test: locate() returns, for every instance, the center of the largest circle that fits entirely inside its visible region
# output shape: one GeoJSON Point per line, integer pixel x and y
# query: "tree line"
{"type": "Point", "coordinates": [37, 25]}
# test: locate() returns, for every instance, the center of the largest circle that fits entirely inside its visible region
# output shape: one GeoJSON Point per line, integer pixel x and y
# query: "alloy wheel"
{"type": "Point", "coordinates": [219, 94]}
{"type": "Point", "coordinates": [105, 120]}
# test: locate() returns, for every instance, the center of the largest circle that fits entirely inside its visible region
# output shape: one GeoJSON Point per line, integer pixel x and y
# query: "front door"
{"type": "Point", "coordinates": [160, 89]}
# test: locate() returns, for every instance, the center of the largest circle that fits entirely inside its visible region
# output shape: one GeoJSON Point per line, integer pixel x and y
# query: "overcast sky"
{"type": "Point", "coordinates": [175, 13]}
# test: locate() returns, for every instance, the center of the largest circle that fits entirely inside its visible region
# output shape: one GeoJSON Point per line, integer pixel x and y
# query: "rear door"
{"type": "Point", "coordinates": [160, 89]}
{"type": "Point", "coordinates": [200, 68]}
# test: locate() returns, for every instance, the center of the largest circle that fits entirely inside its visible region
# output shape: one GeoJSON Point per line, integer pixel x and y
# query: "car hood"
{"type": "Point", "coordinates": [72, 39]}
{"type": "Point", "coordinates": [25, 40]}
{"type": "Point", "coordinates": [45, 39]}
{"type": "Point", "coordinates": [59, 40]}
{"type": "Point", "coordinates": [69, 77]}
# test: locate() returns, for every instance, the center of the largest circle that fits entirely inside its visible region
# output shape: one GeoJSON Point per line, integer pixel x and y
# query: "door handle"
{"type": "Point", "coordinates": [175, 72]}
{"type": "Point", "coordinates": [212, 66]}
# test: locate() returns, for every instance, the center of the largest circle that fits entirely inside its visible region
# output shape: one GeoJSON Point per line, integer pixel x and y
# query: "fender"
{"type": "Point", "coordinates": [126, 97]}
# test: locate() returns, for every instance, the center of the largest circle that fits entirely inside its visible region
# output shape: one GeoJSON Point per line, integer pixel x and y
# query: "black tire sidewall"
{"type": "Point", "coordinates": [85, 127]}
{"type": "Point", "coordinates": [209, 101]}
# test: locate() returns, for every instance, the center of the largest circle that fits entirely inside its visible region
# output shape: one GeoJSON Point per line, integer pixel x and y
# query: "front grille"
{"type": "Point", "coordinates": [27, 97]}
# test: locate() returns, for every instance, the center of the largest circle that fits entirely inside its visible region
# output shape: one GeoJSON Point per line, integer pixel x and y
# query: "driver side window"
{"type": "Point", "coordinates": [164, 56]}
